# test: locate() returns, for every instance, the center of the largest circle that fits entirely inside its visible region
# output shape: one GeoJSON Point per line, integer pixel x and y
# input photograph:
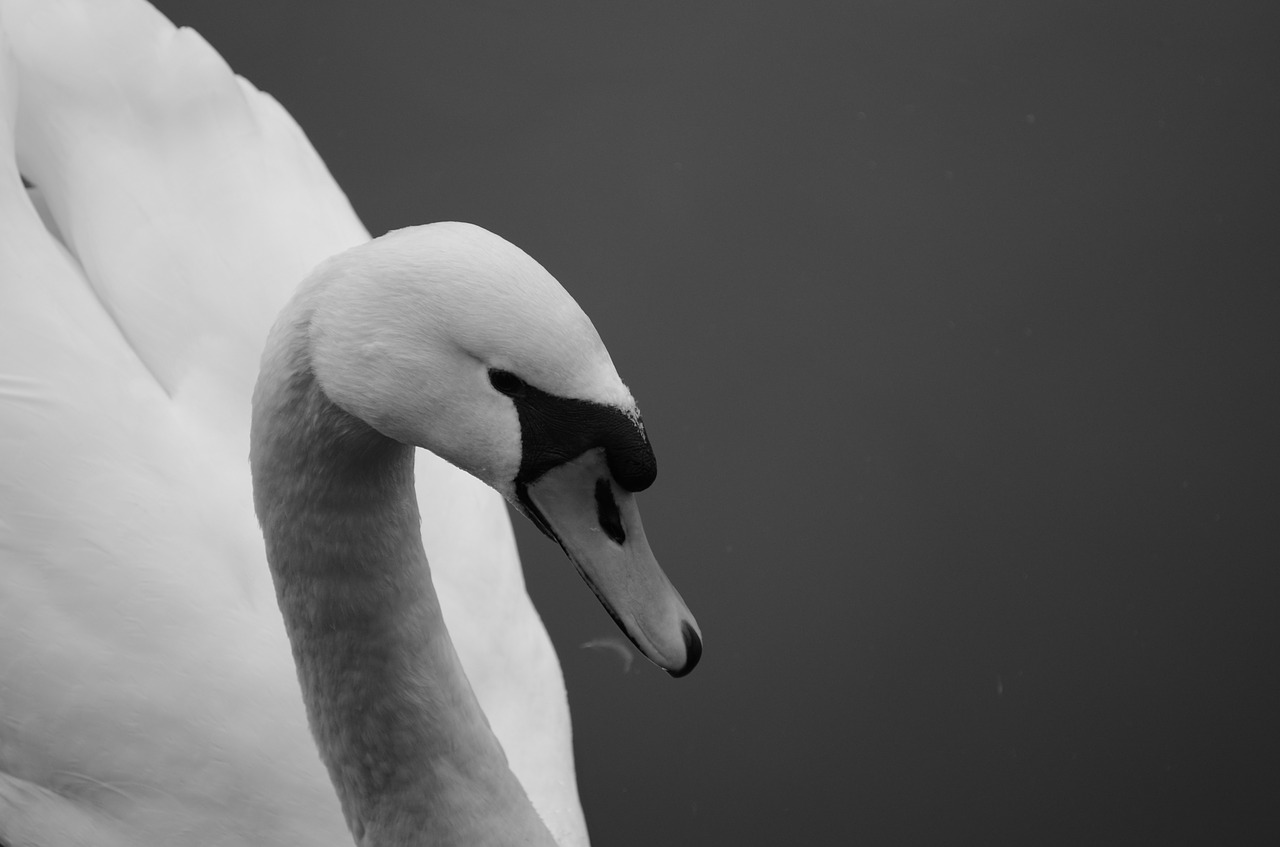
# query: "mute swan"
{"type": "Point", "coordinates": [446, 337]}
{"type": "Point", "coordinates": [147, 694]}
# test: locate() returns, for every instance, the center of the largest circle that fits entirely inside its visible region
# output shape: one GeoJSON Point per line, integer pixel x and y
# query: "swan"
{"type": "Point", "coordinates": [148, 691]}
{"type": "Point", "coordinates": [450, 338]}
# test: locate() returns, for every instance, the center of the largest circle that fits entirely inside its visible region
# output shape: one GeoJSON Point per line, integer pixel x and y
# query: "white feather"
{"type": "Point", "coordinates": [147, 693]}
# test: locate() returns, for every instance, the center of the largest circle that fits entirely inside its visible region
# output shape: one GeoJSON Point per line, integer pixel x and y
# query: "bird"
{"type": "Point", "coordinates": [445, 337]}
{"type": "Point", "coordinates": [150, 690]}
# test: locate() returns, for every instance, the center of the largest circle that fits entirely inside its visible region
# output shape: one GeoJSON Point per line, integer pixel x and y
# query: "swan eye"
{"type": "Point", "coordinates": [506, 382]}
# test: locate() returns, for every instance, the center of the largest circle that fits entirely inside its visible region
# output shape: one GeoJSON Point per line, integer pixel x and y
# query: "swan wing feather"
{"type": "Point", "coordinates": [190, 204]}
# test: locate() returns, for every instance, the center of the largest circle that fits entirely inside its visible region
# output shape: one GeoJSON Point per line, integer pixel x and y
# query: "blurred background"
{"type": "Point", "coordinates": [954, 325]}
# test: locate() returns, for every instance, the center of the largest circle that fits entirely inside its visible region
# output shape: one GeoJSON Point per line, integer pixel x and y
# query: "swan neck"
{"type": "Point", "coordinates": [397, 724]}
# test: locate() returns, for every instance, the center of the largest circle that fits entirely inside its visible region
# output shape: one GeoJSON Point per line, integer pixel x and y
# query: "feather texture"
{"type": "Point", "coordinates": [147, 692]}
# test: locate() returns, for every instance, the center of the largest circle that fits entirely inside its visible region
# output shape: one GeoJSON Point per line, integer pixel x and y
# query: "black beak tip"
{"type": "Point", "coordinates": [692, 652]}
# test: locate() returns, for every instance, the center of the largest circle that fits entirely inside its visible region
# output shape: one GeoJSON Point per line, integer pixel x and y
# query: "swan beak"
{"type": "Point", "coordinates": [598, 524]}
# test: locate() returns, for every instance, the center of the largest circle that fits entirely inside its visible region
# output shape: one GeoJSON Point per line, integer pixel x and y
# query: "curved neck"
{"type": "Point", "coordinates": [405, 741]}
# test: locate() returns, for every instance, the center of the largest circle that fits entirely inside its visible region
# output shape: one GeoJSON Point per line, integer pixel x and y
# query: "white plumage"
{"type": "Point", "coordinates": [147, 693]}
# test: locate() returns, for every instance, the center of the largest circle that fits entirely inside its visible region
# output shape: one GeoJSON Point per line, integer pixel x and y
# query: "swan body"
{"type": "Point", "coordinates": [148, 691]}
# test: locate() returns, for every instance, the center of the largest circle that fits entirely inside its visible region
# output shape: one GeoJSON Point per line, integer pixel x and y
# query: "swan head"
{"type": "Point", "coordinates": [449, 338]}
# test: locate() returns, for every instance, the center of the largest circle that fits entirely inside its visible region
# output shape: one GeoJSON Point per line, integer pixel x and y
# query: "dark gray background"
{"type": "Point", "coordinates": [955, 328]}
